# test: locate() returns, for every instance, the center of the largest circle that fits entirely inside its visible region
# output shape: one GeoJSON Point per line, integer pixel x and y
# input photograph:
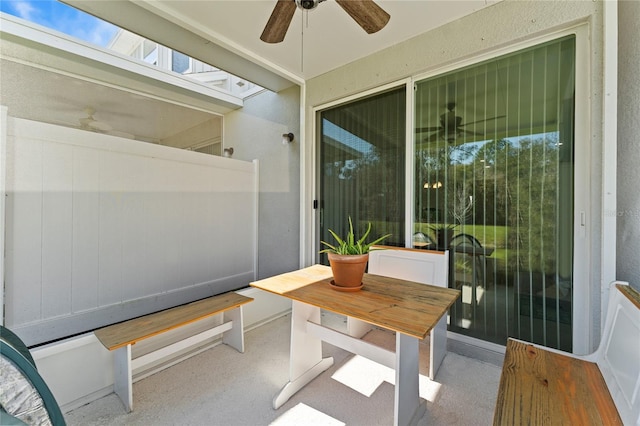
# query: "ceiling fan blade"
{"type": "Point", "coordinates": [427, 129]}
{"type": "Point", "coordinates": [279, 21]}
{"type": "Point", "coordinates": [469, 132]}
{"type": "Point", "coordinates": [371, 17]}
{"type": "Point", "coordinates": [485, 120]}
{"type": "Point", "coordinates": [435, 137]}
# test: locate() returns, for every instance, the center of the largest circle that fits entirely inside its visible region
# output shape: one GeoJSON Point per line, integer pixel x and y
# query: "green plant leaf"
{"type": "Point", "coordinates": [349, 244]}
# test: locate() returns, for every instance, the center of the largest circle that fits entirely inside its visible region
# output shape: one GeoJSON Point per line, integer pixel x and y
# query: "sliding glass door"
{"type": "Point", "coordinates": [362, 167]}
{"type": "Point", "coordinates": [493, 182]}
{"type": "Point", "coordinates": [494, 185]}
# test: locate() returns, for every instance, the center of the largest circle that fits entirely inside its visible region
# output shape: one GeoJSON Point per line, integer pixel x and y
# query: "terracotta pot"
{"type": "Point", "coordinates": [348, 270]}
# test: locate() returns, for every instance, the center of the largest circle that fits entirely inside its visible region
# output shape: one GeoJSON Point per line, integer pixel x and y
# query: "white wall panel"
{"type": "Point", "coordinates": [110, 190]}
{"type": "Point", "coordinates": [57, 229]}
{"type": "Point", "coordinates": [23, 263]}
{"type": "Point", "coordinates": [86, 236]}
{"type": "Point", "coordinates": [100, 229]}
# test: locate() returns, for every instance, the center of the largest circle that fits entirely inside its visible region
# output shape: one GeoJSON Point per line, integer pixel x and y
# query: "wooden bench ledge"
{"type": "Point", "coordinates": [137, 329]}
{"type": "Point", "coordinates": [543, 387]}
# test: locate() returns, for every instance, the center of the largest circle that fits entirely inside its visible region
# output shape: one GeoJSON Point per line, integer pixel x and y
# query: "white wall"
{"type": "Point", "coordinates": [255, 132]}
{"type": "Point", "coordinates": [628, 209]}
{"type": "Point", "coordinates": [100, 229]}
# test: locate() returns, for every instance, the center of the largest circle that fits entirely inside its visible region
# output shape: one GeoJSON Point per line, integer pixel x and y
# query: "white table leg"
{"type": "Point", "coordinates": [407, 407]}
{"type": "Point", "coordinates": [305, 358]}
{"type": "Point", "coordinates": [357, 328]}
{"type": "Point", "coordinates": [123, 382]}
{"type": "Point", "coordinates": [437, 346]}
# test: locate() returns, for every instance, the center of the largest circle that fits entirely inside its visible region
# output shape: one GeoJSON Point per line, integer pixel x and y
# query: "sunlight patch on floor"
{"type": "Point", "coordinates": [429, 389]}
{"type": "Point", "coordinates": [302, 414]}
{"type": "Point", "coordinates": [365, 376]}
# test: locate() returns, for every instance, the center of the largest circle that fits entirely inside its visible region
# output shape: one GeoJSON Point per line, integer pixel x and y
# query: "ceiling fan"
{"type": "Point", "coordinates": [91, 124]}
{"type": "Point", "coordinates": [366, 13]}
{"type": "Point", "coordinates": [451, 126]}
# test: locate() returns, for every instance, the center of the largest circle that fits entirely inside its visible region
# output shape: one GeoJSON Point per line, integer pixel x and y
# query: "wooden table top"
{"type": "Point", "coordinates": [404, 306]}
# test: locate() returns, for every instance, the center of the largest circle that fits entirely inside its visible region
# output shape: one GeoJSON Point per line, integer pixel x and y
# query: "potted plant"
{"type": "Point", "coordinates": [348, 258]}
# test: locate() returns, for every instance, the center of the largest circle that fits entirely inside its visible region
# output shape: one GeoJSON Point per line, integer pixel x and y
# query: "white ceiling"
{"type": "Point", "coordinates": [318, 40]}
{"type": "Point", "coordinates": [226, 33]}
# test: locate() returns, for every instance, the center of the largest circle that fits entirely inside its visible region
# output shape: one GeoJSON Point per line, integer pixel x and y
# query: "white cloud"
{"type": "Point", "coordinates": [24, 10]}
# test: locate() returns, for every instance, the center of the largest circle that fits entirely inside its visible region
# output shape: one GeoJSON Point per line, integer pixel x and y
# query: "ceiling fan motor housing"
{"type": "Point", "coordinates": [308, 4]}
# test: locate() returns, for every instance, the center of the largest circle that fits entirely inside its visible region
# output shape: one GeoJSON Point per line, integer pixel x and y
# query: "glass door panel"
{"type": "Point", "coordinates": [362, 167]}
{"type": "Point", "coordinates": [494, 165]}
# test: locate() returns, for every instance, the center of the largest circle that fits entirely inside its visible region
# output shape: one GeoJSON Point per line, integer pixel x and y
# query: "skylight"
{"type": "Point", "coordinates": [346, 138]}
{"type": "Point", "coordinates": [65, 19]}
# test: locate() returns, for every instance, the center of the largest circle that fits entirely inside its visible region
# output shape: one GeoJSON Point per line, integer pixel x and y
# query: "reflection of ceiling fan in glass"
{"type": "Point", "coordinates": [90, 123]}
{"type": "Point", "coordinates": [451, 126]}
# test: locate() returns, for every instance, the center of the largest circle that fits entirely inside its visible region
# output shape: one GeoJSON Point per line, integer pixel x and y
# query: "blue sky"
{"type": "Point", "coordinates": [60, 17]}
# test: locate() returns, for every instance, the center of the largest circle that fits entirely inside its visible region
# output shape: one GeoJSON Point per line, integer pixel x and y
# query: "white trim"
{"type": "Point", "coordinates": [409, 165]}
{"type": "Point", "coordinates": [582, 306]}
{"type": "Point", "coordinates": [360, 95]}
{"type": "Point", "coordinates": [3, 186]}
{"type": "Point", "coordinates": [307, 209]}
{"type": "Point", "coordinates": [609, 154]}
{"type": "Point", "coordinates": [256, 218]}
{"type": "Point", "coordinates": [307, 189]}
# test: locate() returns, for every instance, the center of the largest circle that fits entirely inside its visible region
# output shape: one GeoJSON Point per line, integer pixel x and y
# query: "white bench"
{"type": "Point", "coordinates": [545, 386]}
{"type": "Point", "coordinates": [120, 337]}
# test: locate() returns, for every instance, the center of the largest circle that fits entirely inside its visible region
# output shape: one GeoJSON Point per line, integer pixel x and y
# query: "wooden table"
{"type": "Point", "coordinates": [409, 309]}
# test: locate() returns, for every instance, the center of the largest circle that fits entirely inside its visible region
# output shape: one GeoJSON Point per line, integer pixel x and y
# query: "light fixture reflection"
{"type": "Point", "coordinates": [434, 185]}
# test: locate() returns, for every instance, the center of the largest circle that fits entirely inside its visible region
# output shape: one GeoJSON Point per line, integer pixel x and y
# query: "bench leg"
{"type": "Point", "coordinates": [122, 385]}
{"type": "Point", "coordinates": [235, 336]}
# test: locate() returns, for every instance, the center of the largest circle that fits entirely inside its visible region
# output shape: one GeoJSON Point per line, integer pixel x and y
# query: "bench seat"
{"type": "Point", "coordinates": [544, 386]}
{"type": "Point", "coordinates": [541, 387]}
{"type": "Point", "coordinates": [121, 336]}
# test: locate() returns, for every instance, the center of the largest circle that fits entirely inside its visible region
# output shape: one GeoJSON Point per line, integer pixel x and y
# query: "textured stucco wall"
{"type": "Point", "coordinates": [628, 209]}
{"type": "Point", "coordinates": [501, 24]}
{"type": "Point", "coordinates": [255, 132]}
